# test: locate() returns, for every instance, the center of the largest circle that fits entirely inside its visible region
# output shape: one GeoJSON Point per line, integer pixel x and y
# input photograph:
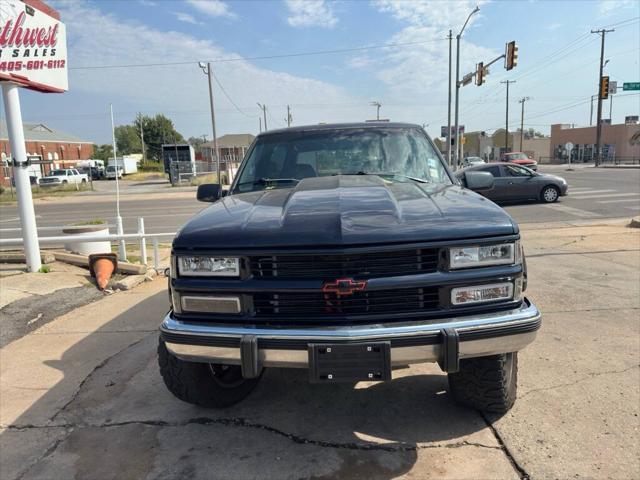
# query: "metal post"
{"type": "Point", "coordinates": [611, 108]}
{"type": "Point", "coordinates": [522, 100]}
{"type": "Point", "coordinates": [475, 10]}
{"type": "Point", "coordinates": [21, 175]}
{"type": "Point", "coordinates": [209, 72]}
{"type": "Point", "coordinates": [143, 242]}
{"type": "Point", "coordinates": [591, 113]}
{"type": "Point", "coordinates": [156, 254]}
{"type": "Point", "coordinates": [448, 136]}
{"type": "Point", "coordinates": [598, 152]}
{"type": "Point", "coordinates": [506, 129]}
{"type": "Point", "coordinates": [455, 128]}
{"type": "Point", "coordinates": [288, 116]}
{"type": "Point", "coordinates": [260, 122]}
{"type": "Point", "coordinates": [122, 248]}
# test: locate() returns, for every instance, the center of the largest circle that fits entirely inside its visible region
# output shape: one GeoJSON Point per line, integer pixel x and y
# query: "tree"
{"type": "Point", "coordinates": [103, 152]}
{"type": "Point", "coordinates": [530, 133]}
{"type": "Point", "coordinates": [128, 139]}
{"type": "Point", "coordinates": [196, 143]}
{"type": "Point", "coordinates": [157, 130]}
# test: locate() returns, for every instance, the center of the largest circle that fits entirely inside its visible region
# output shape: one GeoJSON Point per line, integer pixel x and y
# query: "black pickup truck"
{"type": "Point", "coordinates": [348, 250]}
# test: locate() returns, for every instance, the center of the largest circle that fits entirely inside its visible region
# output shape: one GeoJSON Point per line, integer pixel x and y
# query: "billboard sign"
{"type": "Point", "coordinates": [443, 130]}
{"type": "Point", "coordinates": [33, 46]}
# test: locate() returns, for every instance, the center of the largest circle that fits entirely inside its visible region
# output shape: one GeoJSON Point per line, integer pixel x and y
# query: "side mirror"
{"type": "Point", "coordinates": [479, 181]}
{"type": "Point", "coordinates": [209, 192]}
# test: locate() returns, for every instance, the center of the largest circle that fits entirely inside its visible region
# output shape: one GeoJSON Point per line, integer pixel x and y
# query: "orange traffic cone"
{"type": "Point", "coordinates": [102, 266]}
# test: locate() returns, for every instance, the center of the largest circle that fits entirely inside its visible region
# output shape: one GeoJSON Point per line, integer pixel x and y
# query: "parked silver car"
{"type": "Point", "coordinates": [518, 183]}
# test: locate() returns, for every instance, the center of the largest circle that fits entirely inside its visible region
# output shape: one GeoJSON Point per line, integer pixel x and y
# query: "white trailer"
{"type": "Point", "coordinates": [127, 164]}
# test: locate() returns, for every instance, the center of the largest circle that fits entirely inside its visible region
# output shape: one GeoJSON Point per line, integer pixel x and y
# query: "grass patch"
{"type": "Point", "coordinates": [151, 167]}
{"type": "Point", "coordinates": [37, 192]}
{"type": "Point", "coordinates": [202, 179]}
{"type": "Point", "coordinates": [142, 176]}
{"type": "Point", "coordinates": [44, 269]}
{"type": "Point", "coordinates": [95, 221]}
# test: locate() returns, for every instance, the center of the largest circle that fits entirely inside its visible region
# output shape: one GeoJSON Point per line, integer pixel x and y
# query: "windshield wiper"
{"type": "Point", "coordinates": [267, 181]}
{"type": "Point", "coordinates": [385, 174]}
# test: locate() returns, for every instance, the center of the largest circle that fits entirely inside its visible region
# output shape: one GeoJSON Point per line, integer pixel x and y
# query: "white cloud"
{"type": "Point", "coordinates": [212, 8]}
{"type": "Point", "coordinates": [421, 69]}
{"type": "Point", "coordinates": [97, 38]}
{"type": "Point", "coordinates": [186, 18]}
{"type": "Point", "coordinates": [310, 13]}
{"type": "Point", "coordinates": [147, 3]}
{"type": "Point", "coordinates": [609, 7]}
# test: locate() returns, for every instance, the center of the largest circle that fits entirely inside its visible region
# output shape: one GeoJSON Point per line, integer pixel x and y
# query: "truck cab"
{"type": "Point", "coordinates": [347, 250]}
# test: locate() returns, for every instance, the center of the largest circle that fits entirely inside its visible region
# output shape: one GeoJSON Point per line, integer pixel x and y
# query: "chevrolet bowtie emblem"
{"type": "Point", "coordinates": [344, 286]}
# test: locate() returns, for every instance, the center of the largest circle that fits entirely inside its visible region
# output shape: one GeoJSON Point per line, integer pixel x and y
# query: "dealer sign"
{"type": "Point", "coordinates": [33, 46]}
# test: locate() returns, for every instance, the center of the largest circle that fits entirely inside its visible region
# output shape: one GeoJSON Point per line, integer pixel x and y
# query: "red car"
{"type": "Point", "coordinates": [519, 158]}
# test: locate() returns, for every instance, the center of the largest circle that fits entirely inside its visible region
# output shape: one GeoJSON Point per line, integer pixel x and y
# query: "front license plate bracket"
{"type": "Point", "coordinates": [350, 362]}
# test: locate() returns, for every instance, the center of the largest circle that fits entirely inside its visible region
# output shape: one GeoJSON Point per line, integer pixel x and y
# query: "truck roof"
{"type": "Point", "coordinates": [340, 126]}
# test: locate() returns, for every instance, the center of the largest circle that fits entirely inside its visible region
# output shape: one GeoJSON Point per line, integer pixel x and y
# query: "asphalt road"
{"type": "Point", "coordinates": [593, 194]}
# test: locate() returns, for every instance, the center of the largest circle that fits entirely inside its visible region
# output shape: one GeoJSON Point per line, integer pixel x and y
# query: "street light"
{"type": "Point", "coordinates": [377, 105]}
{"type": "Point", "coordinates": [206, 68]}
{"type": "Point", "coordinates": [455, 133]}
{"type": "Point", "coordinates": [264, 114]}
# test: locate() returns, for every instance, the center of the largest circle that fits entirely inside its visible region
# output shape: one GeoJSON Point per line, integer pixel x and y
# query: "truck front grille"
{"type": "Point", "coordinates": [361, 265]}
{"type": "Point", "coordinates": [359, 303]}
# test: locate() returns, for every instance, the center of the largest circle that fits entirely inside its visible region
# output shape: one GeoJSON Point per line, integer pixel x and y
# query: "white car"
{"type": "Point", "coordinates": [110, 172]}
{"type": "Point", "coordinates": [63, 176]}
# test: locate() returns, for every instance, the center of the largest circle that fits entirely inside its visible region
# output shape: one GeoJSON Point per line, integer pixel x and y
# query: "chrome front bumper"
{"type": "Point", "coordinates": [415, 342]}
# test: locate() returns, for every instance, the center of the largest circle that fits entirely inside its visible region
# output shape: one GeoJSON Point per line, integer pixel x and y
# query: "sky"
{"type": "Point", "coordinates": [392, 52]}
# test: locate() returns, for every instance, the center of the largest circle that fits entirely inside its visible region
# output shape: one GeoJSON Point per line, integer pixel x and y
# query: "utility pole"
{"type": "Point", "coordinates": [289, 117]}
{"type": "Point", "coordinates": [122, 250]}
{"type": "Point", "coordinates": [448, 137]}
{"type": "Point", "coordinates": [522, 100]}
{"type": "Point", "coordinates": [144, 153]}
{"type": "Point", "coordinates": [264, 114]}
{"type": "Point", "coordinates": [602, 33]}
{"type": "Point", "coordinates": [206, 68]}
{"type": "Point", "coordinates": [458, 84]}
{"type": "Point", "coordinates": [591, 114]}
{"type": "Point", "coordinates": [260, 122]}
{"type": "Point", "coordinates": [506, 128]}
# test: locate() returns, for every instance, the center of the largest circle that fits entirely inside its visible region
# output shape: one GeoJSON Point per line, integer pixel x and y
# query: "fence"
{"type": "Point", "coordinates": [140, 235]}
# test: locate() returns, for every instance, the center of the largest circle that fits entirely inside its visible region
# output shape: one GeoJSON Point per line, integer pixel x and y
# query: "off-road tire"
{"type": "Point", "coordinates": [486, 383]}
{"type": "Point", "coordinates": [196, 383]}
{"type": "Point", "coordinates": [547, 194]}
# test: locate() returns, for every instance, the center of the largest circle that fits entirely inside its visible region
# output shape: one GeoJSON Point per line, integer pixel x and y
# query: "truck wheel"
{"type": "Point", "coordinates": [486, 383]}
{"type": "Point", "coordinates": [64, 181]}
{"type": "Point", "coordinates": [83, 180]}
{"type": "Point", "coordinates": [549, 194]}
{"type": "Point", "coordinates": [204, 384]}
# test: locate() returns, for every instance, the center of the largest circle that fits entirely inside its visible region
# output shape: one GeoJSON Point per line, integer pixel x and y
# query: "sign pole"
{"type": "Point", "coordinates": [21, 175]}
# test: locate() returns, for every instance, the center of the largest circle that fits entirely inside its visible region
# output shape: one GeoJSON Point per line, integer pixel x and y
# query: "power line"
{"type": "Point", "coordinates": [260, 57]}
{"type": "Point", "coordinates": [230, 99]}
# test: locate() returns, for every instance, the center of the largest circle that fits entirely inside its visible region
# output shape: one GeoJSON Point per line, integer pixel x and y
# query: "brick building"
{"type": "Point", "coordinates": [57, 149]}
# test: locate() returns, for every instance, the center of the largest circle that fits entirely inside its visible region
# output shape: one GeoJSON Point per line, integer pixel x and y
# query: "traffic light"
{"type": "Point", "coordinates": [511, 55]}
{"type": "Point", "coordinates": [480, 73]}
{"type": "Point", "coordinates": [604, 88]}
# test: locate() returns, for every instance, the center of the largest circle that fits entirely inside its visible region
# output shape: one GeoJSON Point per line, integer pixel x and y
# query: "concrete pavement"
{"type": "Point", "coordinates": [82, 397]}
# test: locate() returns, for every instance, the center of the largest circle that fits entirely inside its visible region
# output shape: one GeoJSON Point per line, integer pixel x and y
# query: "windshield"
{"type": "Point", "coordinates": [517, 156]}
{"type": "Point", "coordinates": [111, 168]}
{"type": "Point", "coordinates": [397, 154]}
{"type": "Point", "coordinates": [57, 172]}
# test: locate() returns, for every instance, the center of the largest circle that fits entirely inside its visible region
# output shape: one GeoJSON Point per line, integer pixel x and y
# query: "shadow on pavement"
{"type": "Point", "coordinates": [123, 423]}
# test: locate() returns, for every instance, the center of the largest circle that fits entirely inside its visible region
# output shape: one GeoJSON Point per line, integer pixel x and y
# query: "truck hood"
{"type": "Point", "coordinates": [344, 210]}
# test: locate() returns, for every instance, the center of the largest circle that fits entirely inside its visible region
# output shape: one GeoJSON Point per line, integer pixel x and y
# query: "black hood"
{"type": "Point", "coordinates": [344, 210]}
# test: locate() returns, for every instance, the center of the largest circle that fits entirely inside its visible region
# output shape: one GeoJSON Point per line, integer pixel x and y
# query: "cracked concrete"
{"type": "Point", "coordinates": [82, 397]}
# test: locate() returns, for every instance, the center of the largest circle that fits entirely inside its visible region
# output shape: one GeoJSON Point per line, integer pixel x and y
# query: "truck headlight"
{"type": "Point", "coordinates": [482, 293]}
{"type": "Point", "coordinates": [484, 255]}
{"type": "Point", "coordinates": [201, 266]}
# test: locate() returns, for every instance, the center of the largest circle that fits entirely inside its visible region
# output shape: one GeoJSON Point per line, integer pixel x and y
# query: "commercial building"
{"type": "Point", "coordinates": [57, 149]}
{"type": "Point", "coordinates": [491, 147]}
{"type": "Point", "coordinates": [620, 143]}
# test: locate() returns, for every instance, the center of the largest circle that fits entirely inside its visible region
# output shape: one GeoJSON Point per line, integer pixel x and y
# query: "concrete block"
{"type": "Point", "coordinates": [18, 257]}
{"type": "Point", "coordinates": [83, 261]}
{"type": "Point", "coordinates": [635, 222]}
